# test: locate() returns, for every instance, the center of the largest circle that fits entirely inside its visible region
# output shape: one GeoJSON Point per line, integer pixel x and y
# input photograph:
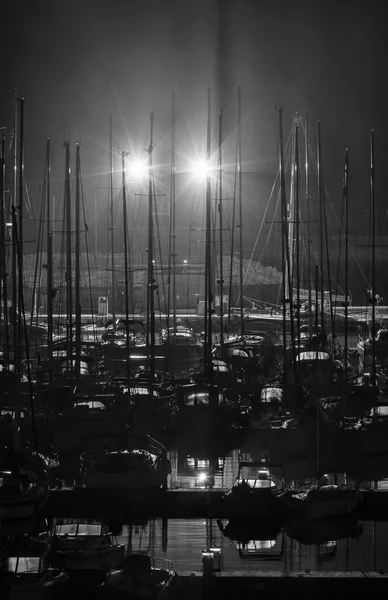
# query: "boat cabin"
{"type": "Point", "coordinates": [315, 368]}
{"type": "Point", "coordinates": [205, 396]}
{"type": "Point", "coordinates": [203, 404]}
{"type": "Point", "coordinates": [240, 354]}
{"type": "Point", "coordinates": [259, 477]}
{"type": "Point", "coordinates": [268, 406]}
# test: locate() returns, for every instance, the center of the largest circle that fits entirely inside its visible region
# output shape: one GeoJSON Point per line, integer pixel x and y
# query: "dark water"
{"type": "Point", "coordinates": [338, 545]}
{"type": "Point", "coordinates": [182, 541]}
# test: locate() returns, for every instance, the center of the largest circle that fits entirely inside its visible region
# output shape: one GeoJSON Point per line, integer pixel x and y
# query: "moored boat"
{"type": "Point", "coordinates": [84, 544]}
{"type": "Point", "coordinates": [25, 572]}
{"type": "Point", "coordinates": [321, 502]}
{"type": "Point", "coordinates": [23, 485]}
{"type": "Point", "coordinates": [138, 578]}
{"type": "Point", "coordinates": [126, 470]}
{"type": "Point", "coordinates": [256, 490]}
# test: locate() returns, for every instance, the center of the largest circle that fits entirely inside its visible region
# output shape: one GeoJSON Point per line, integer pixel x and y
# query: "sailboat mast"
{"type": "Point", "coordinates": [126, 279]}
{"type": "Point", "coordinates": [3, 281]}
{"type": "Point", "coordinates": [220, 191]}
{"type": "Point", "coordinates": [297, 227]}
{"type": "Point", "coordinates": [372, 218]}
{"type": "Point", "coordinates": [240, 225]}
{"type": "Point", "coordinates": [307, 199]}
{"type": "Point", "coordinates": [284, 236]}
{"type": "Point", "coordinates": [172, 244]}
{"type": "Point", "coordinates": [346, 207]}
{"type": "Point", "coordinates": [49, 257]}
{"type": "Point", "coordinates": [321, 222]}
{"type": "Point", "coordinates": [20, 174]}
{"type": "Point", "coordinates": [13, 229]}
{"type": "Point", "coordinates": [69, 291]}
{"type": "Point", "coordinates": [151, 280]}
{"type": "Point", "coordinates": [112, 237]}
{"type": "Point", "coordinates": [208, 279]}
{"type": "Point", "coordinates": [77, 263]}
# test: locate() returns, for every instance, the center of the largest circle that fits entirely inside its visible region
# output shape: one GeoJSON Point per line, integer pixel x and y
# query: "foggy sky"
{"type": "Point", "coordinates": [76, 62]}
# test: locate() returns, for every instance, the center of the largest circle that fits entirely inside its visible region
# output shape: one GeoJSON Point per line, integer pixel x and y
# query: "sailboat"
{"type": "Point", "coordinates": [23, 471]}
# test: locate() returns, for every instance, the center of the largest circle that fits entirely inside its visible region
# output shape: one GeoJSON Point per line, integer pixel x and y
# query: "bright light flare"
{"type": "Point", "coordinates": [202, 477]}
{"type": "Point", "coordinates": [200, 169]}
{"type": "Point", "coordinates": [137, 169]}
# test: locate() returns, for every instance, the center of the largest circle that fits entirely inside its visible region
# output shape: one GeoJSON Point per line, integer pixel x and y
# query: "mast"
{"type": "Point", "coordinates": [321, 222]}
{"type": "Point", "coordinates": [221, 281]}
{"type": "Point", "coordinates": [126, 279]}
{"type": "Point", "coordinates": [112, 237]}
{"type": "Point", "coordinates": [346, 203]}
{"type": "Point", "coordinates": [49, 257]}
{"type": "Point", "coordinates": [307, 199]}
{"type": "Point", "coordinates": [297, 227]}
{"type": "Point", "coordinates": [69, 292]}
{"type": "Point", "coordinates": [151, 280]}
{"type": "Point", "coordinates": [284, 236]}
{"type": "Point", "coordinates": [13, 230]}
{"type": "Point", "coordinates": [240, 225]}
{"type": "Point", "coordinates": [172, 244]}
{"type": "Point", "coordinates": [19, 206]}
{"type": "Point", "coordinates": [372, 219]}
{"type": "Point", "coordinates": [77, 264]}
{"type": "Point", "coordinates": [291, 221]}
{"type": "Point", "coordinates": [318, 418]}
{"type": "Point", "coordinates": [3, 267]}
{"type": "Point", "coordinates": [208, 364]}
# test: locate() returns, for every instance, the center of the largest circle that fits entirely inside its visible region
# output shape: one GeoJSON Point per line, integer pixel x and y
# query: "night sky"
{"type": "Point", "coordinates": [77, 62]}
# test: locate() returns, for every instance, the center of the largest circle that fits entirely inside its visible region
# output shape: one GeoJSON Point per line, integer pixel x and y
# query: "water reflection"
{"type": "Point", "coordinates": [198, 470]}
{"type": "Point", "coordinates": [190, 472]}
{"type": "Point", "coordinates": [363, 548]}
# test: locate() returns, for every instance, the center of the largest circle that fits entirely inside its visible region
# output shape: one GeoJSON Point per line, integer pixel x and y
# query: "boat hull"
{"type": "Point", "coordinates": [23, 508]}
{"type": "Point", "coordinates": [254, 505]}
{"type": "Point", "coordinates": [48, 587]}
{"type": "Point", "coordinates": [100, 559]}
{"type": "Point", "coordinates": [312, 509]}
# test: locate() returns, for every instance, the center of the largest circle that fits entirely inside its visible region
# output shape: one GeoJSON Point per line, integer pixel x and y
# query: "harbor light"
{"type": "Point", "coordinates": [137, 169]}
{"type": "Point", "coordinates": [200, 169]}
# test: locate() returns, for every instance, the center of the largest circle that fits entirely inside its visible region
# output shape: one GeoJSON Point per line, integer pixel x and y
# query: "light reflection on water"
{"type": "Point", "coordinates": [200, 471]}
{"type": "Point", "coordinates": [183, 540]}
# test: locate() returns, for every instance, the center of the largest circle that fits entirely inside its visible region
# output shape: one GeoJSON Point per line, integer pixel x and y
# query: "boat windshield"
{"type": "Point", "coordinates": [23, 564]}
{"type": "Point", "coordinates": [78, 529]}
{"type": "Point", "coordinates": [271, 548]}
{"type": "Point", "coordinates": [271, 395]}
{"type": "Point", "coordinates": [197, 399]}
{"type": "Point", "coordinates": [259, 477]}
{"type": "Point", "coordinates": [220, 366]}
{"type": "Point", "coordinates": [380, 411]}
{"type": "Point", "coordinates": [313, 356]}
{"type": "Point", "coordinates": [257, 545]}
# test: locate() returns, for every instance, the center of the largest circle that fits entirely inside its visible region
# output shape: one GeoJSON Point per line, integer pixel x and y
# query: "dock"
{"type": "Point", "coordinates": [228, 584]}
